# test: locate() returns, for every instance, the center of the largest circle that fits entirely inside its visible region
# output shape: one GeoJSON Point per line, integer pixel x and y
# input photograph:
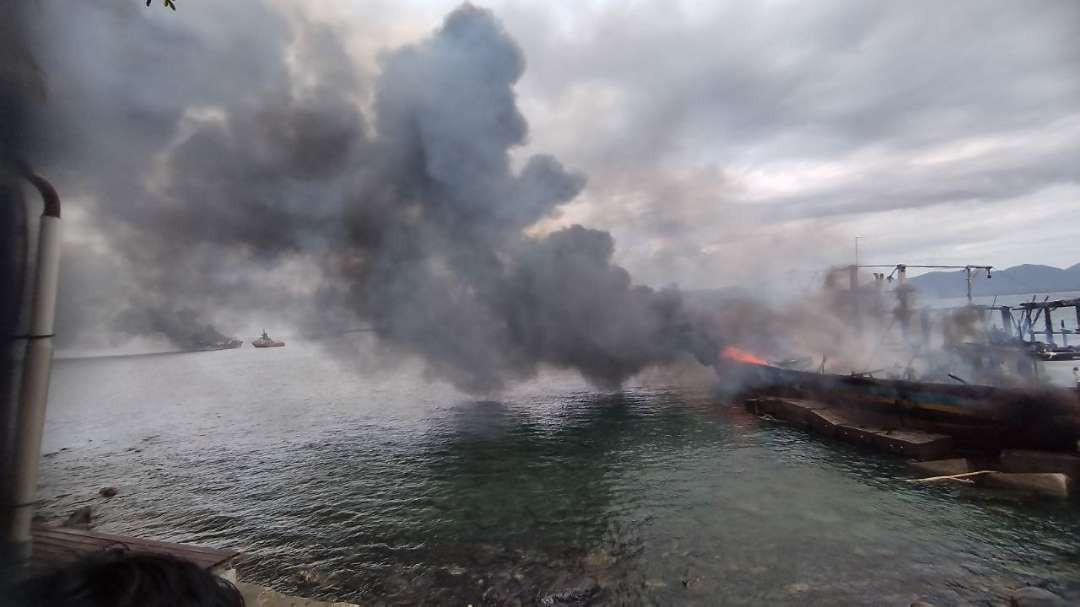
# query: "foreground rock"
{"type": "Point", "coordinates": [571, 591]}
{"type": "Point", "coordinates": [261, 596]}
{"type": "Point", "coordinates": [1030, 596]}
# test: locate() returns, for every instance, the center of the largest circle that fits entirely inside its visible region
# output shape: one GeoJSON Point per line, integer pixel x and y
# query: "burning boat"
{"type": "Point", "coordinates": [265, 341]}
{"type": "Point", "coordinates": [976, 416]}
{"type": "Point", "coordinates": [998, 401]}
{"type": "Point", "coordinates": [228, 343]}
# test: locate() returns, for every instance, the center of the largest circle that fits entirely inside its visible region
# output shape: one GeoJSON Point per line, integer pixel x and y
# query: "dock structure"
{"type": "Point", "coordinates": [57, 546]}
{"type": "Point", "coordinates": [854, 426]}
{"type": "Point", "coordinates": [1033, 311]}
{"type": "Point", "coordinates": [1029, 324]}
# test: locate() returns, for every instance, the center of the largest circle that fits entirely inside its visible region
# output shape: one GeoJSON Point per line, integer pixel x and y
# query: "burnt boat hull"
{"type": "Point", "coordinates": [977, 416]}
{"type": "Point", "coordinates": [229, 344]}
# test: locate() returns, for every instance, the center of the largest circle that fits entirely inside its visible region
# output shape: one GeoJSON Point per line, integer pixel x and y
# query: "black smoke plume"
{"type": "Point", "coordinates": [234, 174]}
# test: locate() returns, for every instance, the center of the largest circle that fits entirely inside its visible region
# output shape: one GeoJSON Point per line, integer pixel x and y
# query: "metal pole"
{"type": "Point", "coordinates": [1007, 320]}
{"type": "Point", "coordinates": [34, 383]}
{"type": "Point", "coordinates": [903, 295]}
{"type": "Point", "coordinates": [853, 280]}
{"type": "Point", "coordinates": [970, 281]}
{"type": "Point", "coordinates": [1048, 321]}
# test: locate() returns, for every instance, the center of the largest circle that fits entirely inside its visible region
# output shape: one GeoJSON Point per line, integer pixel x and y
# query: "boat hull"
{"type": "Point", "coordinates": [230, 344]}
{"type": "Point", "coordinates": [977, 416]}
{"type": "Point", "coordinates": [268, 344]}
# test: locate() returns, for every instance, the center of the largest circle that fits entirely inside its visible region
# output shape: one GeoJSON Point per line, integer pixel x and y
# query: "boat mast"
{"type": "Point", "coordinates": [900, 270]}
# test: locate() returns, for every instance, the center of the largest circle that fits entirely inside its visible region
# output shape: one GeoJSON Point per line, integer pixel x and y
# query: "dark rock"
{"type": "Point", "coordinates": [1031, 596]}
{"type": "Point", "coordinates": [107, 491]}
{"type": "Point", "coordinates": [79, 519]}
{"type": "Point", "coordinates": [689, 580]}
{"type": "Point", "coordinates": [50, 454]}
{"type": "Point", "coordinates": [571, 591]}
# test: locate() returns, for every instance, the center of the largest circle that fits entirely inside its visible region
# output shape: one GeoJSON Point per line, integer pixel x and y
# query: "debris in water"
{"type": "Point", "coordinates": [79, 519]}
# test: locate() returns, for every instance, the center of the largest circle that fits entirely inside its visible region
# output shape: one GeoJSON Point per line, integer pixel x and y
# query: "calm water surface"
{"type": "Point", "coordinates": [381, 488]}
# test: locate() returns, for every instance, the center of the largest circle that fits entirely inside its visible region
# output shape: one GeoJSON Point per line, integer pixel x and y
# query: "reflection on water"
{"type": "Point", "coordinates": [381, 488]}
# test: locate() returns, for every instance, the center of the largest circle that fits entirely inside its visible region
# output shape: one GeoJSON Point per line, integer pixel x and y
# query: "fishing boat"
{"type": "Point", "coordinates": [977, 416]}
{"type": "Point", "coordinates": [265, 341]}
{"type": "Point", "coordinates": [999, 400]}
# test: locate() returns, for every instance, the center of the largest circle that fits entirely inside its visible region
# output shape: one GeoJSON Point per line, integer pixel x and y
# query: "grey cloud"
{"type": "Point", "coordinates": [746, 86]}
{"type": "Point", "coordinates": [828, 77]}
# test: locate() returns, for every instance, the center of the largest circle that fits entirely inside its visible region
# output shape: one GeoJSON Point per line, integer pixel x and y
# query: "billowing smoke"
{"type": "Point", "coordinates": [182, 325]}
{"type": "Point", "coordinates": [238, 177]}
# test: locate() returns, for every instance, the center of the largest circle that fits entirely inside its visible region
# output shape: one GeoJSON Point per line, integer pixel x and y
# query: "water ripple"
{"type": "Point", "coordinates": [387, 489]}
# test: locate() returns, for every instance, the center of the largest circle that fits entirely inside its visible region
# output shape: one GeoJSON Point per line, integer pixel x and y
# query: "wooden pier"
{"type": "Point", "coordinates": [57, 546]}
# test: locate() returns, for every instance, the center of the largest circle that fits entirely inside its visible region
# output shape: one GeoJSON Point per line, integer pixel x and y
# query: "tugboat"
{"type": "Point", "coordinates": [266, 342]}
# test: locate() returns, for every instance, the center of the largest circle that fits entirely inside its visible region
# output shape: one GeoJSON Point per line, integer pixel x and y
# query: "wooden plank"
{"type": "Point", "coordinates": [859, 435]}
{"type": "Point", "coordinates": [96, 537]}
{"type": "Point", "coordinates": [912, 443]}
{"type": "Point", "coordinates": [796, 410]}
{"type": "Point", "coordinates": [55, 545]}
{"type": "Point", "coordinates": [826, 421]}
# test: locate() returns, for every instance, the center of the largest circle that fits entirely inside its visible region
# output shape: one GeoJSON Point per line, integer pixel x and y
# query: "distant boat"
{"type": "Point", "coordinates": [266, 342]}
{"type": "Point", "coordinates": [223, 344]}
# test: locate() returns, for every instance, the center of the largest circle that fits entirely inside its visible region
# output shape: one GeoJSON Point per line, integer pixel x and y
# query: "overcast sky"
{"type": "Point", "coordinates": [715, 134]}
{"type": "Point", "coordinates": [728, 141]}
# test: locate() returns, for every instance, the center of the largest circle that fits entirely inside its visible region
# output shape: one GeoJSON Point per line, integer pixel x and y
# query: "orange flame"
{"type": "Point", "coordinates": [733, 353]}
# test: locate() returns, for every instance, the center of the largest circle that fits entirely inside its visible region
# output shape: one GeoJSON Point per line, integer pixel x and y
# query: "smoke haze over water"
{"type": "Point", "coordinates": [225, 174]}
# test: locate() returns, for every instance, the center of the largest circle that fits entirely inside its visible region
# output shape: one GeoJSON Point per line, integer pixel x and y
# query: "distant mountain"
{"type": "Point", "coordinates": [1027, 278]}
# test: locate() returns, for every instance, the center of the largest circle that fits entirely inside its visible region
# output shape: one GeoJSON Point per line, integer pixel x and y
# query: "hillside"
{"type": "Point", "coordinates": [1027, 278]}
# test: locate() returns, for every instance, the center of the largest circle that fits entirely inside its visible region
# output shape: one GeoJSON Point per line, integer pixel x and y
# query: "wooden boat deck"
{"type": "Point", "coordinates": [55, 546]}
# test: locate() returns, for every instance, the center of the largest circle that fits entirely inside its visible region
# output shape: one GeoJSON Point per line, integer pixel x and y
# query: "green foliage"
{"type": "Point", "coordinates": [169, 3]}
